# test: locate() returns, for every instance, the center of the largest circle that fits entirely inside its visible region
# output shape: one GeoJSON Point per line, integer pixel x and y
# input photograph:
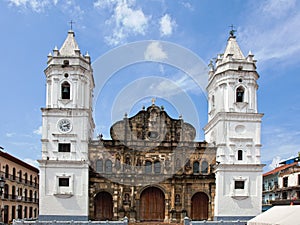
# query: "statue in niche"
{"type": "Point", "coordinates": [188, 165]}
{"type": "Point", "coordinates": [139, 162]}
{"type": "Point", "coordinates": [126, 200]}
{"type": "Point", "coordinates": [167, 164]}
{"type": "Point", "coordinates": [127, 163]}
{"type": "Point", "coordinates": [177, 199]}
{"type": "Point", "coordinates": [153, 120]}
{"type": "Point", "coordinates": [118, 163]}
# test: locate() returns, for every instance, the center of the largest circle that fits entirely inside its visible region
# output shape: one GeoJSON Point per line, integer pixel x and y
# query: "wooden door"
{"type": "Point", "coordinates": [199, 206]}
{"type": "Point", "coordinates": [103, 206]}
{"type": "Point", "coordinates": [152, 205]}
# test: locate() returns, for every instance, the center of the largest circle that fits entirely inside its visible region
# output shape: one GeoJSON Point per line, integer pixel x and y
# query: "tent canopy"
{"type": "Point", "coordinates": [278, 215]}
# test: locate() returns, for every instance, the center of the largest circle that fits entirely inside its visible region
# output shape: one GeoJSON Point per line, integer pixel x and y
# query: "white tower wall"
{"type": "Point", "coordinates": [67, 129]}
{"type": "Point", "coordinates": [234, 127]}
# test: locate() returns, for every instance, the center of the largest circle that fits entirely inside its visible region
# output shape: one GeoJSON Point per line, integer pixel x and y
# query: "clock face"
{"type": "Point", "coordinates": [64, 125]}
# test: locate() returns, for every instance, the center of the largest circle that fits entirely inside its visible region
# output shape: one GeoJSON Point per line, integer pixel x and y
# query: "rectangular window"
{"type": "Point", "coordinates": [298, 179]}
{"type": "Point", "coordinates": [64, 147]}
{"type": "Point", "coordinates": [63, 182]}
{"type": "Point", "coordinates": [238, 184]}
{"type": "Point", "coordinates": [285, 182]}
{"type": "Point", "coordinates": [284, 195]}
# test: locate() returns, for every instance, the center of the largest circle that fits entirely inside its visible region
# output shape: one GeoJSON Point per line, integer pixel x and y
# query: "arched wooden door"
{"type": "Point", "coordinates": [103, 206]}
{"type": "Point", "coordinates": [152, 205]}
{"type": "Point", "coordinates": [199, 206]}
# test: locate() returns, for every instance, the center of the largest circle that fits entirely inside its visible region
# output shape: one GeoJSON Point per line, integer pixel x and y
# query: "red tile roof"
{"type": "Point", "coordinates": [279, 169]}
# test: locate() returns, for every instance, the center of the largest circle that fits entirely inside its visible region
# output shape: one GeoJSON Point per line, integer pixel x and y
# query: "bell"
{"type": "Point", "coordinates": [66, 90]}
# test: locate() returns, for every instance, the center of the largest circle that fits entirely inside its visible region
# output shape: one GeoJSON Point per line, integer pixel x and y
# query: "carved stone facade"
{"type": "Point", "coordinates": [151, 160]}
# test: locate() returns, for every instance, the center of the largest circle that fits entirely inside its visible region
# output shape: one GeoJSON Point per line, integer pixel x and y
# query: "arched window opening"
{"type": "Point", "coordinates": [26, 194]}
{"type": "Point", "coordinates": [14, 173]}
{"type": "Point", "coordinates": [25, 211]}
{"type": "Point", "coordinates": [148, 168]}
{"type": "Point", "coordinates": [35, 197]}
{"type": "Point", "coordinates": [6, 190]}
{"type": "Point", "coordinates": [99, 165]}
{"type": "Point", "coordinates": [108, 166]}
{"type": "Point", "coordinates": [20, 175]}
{"type": "Point", "coordinates": [65, 90]}
{"type": "Point", "coordinates": [240, 91]}
{"type": "Point", "coordinates": [204, 167]}
{"type": "Point", "coordinates": [196, 167]}
{"type": "Point", "coordinates": [20, 193]}
{"type": "Point", "coordinates": [30, 180]}
{"type": "Point", "coordinates": [240, 155]}
{"type": "Point", "coordinates": [13, 192]}
{"type": "Point", "coordinates": [157, 167]}
{"type": "Point", "coordinates": [25, 178]}
{"type": "Point", "coordinates": [30, 196]}
{"type": "Point", "coordinates": [6, 171]}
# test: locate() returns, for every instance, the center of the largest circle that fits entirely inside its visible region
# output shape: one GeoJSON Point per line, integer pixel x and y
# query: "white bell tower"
{"type": "Point", "coordinates": [234, 127]}
{"type": "Point", "coordinates": [67, 129]}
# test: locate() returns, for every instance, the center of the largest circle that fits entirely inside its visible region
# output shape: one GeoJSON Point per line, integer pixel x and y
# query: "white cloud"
{"type": "Point", "coordinates": [281, 141]}
{"type": "Point", "coordinates": [38, 131]}
{"type": "Point", "coordinates": [277, 8]}
{"type": "Point", "coordinates": [154, 52]}
{"type": "Point", "coordinates": [10, 134]}
{"type": "Point", "coordinates": [275, 162]}
{"type": "Point", "coordinates": [166, 25]}
{"type": "Point", "coordinates": [188, 6]}
{"type": "Point", "coordinates": [126, 20]}
{"type": "Point", "coordinates": [69, 7]}
{"type": "Point", "coordinates": [273, 34]}
{"type": "Point", "coordinates": [35, 5]}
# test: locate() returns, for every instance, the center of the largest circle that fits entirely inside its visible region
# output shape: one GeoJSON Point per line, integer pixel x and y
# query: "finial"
{"type": "Point", "coordinates": [153, 101]}
{"type": "Point", "coordinates": [232, 31]}
{"type": "Point", "coordinates": [211, 65]}
{"type": "Point", "coordinates": [71, 24]}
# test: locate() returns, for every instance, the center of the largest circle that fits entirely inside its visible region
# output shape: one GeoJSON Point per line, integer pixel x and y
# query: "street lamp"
{"type": "Point", "coordinates": [2, 183]}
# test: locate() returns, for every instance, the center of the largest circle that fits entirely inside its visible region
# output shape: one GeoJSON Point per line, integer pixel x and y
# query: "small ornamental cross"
{"type": "Point", "coordinates": [153, 101]}
{"type": "Point", "coordinates": [232, 31]}
{"type": "Point", "coordinates": [71, 24]}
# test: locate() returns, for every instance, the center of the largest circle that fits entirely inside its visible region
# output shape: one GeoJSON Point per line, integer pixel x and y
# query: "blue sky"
{"type": "Point", "coordinates": [30, 29]}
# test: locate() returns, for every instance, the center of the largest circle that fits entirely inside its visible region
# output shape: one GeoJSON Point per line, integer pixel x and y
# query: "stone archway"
{"type": "Point", "coordinates": [152, 205]}
{"type": "Point", "coordinates": [199, 206]}
{"type": "Point", "coordinates": [103, 204]}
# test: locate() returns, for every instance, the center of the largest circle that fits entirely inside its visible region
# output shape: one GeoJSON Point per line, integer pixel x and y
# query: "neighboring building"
{"type": "Point", "coordinates": [270, 185]}
{"type": "Point", "coordinates": [152, 169]}
{"type": "Point", "coordinates": [21, 190]}
{"type": "Point", "coordinates": [288, 190]}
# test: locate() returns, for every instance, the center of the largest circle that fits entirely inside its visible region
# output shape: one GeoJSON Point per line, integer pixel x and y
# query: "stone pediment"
{"type": "Point", "coordinates": [152, 124]}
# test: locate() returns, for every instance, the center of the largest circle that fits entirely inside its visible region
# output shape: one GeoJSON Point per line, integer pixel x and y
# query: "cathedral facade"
{"type": "Point", "coordinates": [151, 169]}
